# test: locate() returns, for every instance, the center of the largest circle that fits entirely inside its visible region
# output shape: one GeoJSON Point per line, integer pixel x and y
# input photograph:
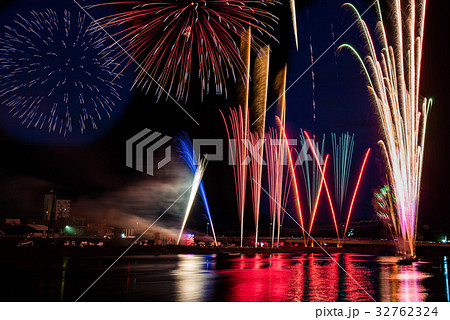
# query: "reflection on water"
{"type": "Point", "coordinates": [309, 277]}
{"type": "Point", "coordinates": [401, 283]}
{"type": "Point", "coordinates": [193, 277]}
{"type": "Point", "coordinates": [447, 290]}
{"type": "Point", "coordinates": [63, 277]}
{"type": "Point", "coordinates": [277, 277]}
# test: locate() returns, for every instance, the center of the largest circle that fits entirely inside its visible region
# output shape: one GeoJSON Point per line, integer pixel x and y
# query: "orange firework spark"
{"type": "Point", "coordinates": [238, 131]}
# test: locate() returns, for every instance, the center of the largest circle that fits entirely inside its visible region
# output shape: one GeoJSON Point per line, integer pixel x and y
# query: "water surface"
{"type": "Point", "coordinates": [276, 277]}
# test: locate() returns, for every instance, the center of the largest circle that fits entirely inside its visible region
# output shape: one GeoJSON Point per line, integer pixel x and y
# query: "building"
{"type": "Point", "coordinates": [49, 202]}
{"type": "Point", "coordinates": [63, 208]}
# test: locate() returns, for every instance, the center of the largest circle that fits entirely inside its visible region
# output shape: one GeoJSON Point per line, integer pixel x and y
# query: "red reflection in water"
{"type": "Point", "coordinates": [358, 279]}
{"type": "Point", "coordinates": [312, 277]}
{"type": "Point", "coordinates": [258, 278]}
{"type": "Point", "coordinates": [323, 278]}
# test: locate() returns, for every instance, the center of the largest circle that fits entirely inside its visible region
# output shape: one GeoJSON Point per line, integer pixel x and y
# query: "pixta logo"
{"type": "Point", "coordinates": [141, 149]}
{"type": "Point", "coordinates": [143, 146]}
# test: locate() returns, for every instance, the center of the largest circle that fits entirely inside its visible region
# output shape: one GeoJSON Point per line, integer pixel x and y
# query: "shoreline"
{"type": "Point", "coordinates": [60, 252]}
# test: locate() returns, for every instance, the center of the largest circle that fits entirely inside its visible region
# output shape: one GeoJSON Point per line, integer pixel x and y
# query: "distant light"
{"type": "Point", "coordinates": [190, 239]}
{"type": "Point", "coordinates": [123, 235]}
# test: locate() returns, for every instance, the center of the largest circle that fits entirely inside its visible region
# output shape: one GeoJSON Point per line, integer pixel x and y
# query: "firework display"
{"type": "Point", "coordinates": [194, 189]}
{"type": "Point", "coordinates": [255, 147]}
{"type": "Point", "coordinates": [296, 176]}
{"type": "Point", "coordinates": [342, 161]}
{"type": "Point", "coordinates": [294, 21]}
{"type": "Point", "coordinates": [361, 171]}
{"type": "Point", "coordinates": [57, 73]}
{"type": "Point", "coordinates": [60, 72]}
{"type": "Point", "coordinates": [256, 138]}
{"type": "Point", "coordinates": [316, 203]}
{"type": "Point", "coordinates": [393, 79]}
{"type": "Point", "coordinates": [330, 200]}
{"type": "Point", "coordinates": [291, 165]}
{"type": "Point", "coordinates": [385, 210]}
{"type": "Point", "coordinates": [184, 145]}
{"type": "Point", "coordinates": [171, 39]}
{"type": "Point", "coordinates": [237, 133]}
{"type": "Point", "coordinates": [312, 178]}
{"type": "Point", "coordinates": [273, 158]}
{"type": "Point", "coordinates": [322, 173]}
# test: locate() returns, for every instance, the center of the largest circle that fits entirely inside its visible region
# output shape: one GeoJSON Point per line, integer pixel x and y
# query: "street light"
{"type": "Point", "coordinates": [207, 223]}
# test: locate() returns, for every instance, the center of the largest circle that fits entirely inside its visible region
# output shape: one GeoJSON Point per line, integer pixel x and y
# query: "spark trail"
{"type": "Point", "coordinates": [273, 157]}
{"type": "Point", "coordinates": [294, 22]}
{"type": "Point", "coordinates": [184, 146]}
{"type": "Point", "coordinates": [259, 103]}
{"type": "Point", "coordinates": [316, 204]}
{"type": "Point", "coordinates": [385, 210]}
{"type": "Point", "coordinates": [195, 185]}
{"type": "Point", "coordinates": [342, 160]}
{"type": "Point", "coordinates": [311, 173]}
{"type": "Point", "coordinates": [330, 201]}
{"type": "Point", "coordinates": [256, 147]}
{"type": "Point", "coordinates": [393, 78]}
{"type": "Point", "coordinates": [295, 186]}
{"type": "Point", "coordinates": [361, 171]}
{"type": "Point", "coordinates": [278, 153]}
{"type": "Point", "coordinates": [237, 133]}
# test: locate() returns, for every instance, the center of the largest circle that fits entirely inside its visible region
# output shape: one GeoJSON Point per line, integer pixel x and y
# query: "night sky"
{"type": "Point", "coordinates": [90, 168]}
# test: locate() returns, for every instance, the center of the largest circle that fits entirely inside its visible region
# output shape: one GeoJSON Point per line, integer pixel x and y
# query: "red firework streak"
{"type": "Point", "coordinates": [272, 157]}
{"type": "Point", "coordinates": [294, 180]}
{"type": "Point", "coordinates": [255, 176]}
{"type": "Point", "coordinates": [324, 182]}
{"type": "Point", "coordinates": [317, 198]}
{"type": "Point", "coordinates": [361, 171]}
{"type": "Point", "coordinates": [354, 192]}
{"type": "Point", "coordinates": [278, 191]}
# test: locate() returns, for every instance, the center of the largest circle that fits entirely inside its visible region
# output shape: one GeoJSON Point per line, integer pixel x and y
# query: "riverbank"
{"type": "Point", "coordinates": [116, 248]}
{"type": "Point", "coordinates": [8, 253]}
{"type": "Point", "coordinates": [15, 253]}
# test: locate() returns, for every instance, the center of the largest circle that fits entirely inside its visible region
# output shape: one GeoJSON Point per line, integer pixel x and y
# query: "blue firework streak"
{"type": "Point", "coordinates": [184, 146]}
{"type": "Point", "coordinates": [57, 73]}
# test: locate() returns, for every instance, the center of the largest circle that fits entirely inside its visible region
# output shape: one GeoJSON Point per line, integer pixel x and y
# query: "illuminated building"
{"type": "Point", "coordinates": [54, 208]}
{"type": "Point", "coordinates": [63, 208]}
